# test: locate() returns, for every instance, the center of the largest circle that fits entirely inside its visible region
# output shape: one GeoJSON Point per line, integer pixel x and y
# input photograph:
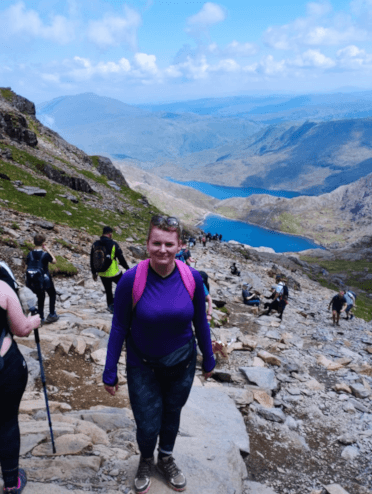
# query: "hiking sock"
{"type": "Point", "coordinates": [162, 455]}
{"type": "Point", "coordinates": [10, 478]}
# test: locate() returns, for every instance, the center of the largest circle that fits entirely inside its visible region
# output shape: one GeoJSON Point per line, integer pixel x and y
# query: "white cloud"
{"type": "Point", "coordinates": [84, 69]}
{"type": "Point", "coordinates": [227, 65]}
{"type": "Point", "coordinates": [146, 63]}
{"type": "Point", "coordinates": [313, 58]}
{"type": "Point", "coordinates": [316, 9]}
{"type": "Point", "coordinates": [321, 27]}
{"type": "Point", "coordinates": [210, 14]}
{"type": "Point", "coordinates": [114, 31]}
{"type": "Point", "coordinates": [236, 49]}
{"type": "Point", "coordinates": [22, 22]}
{"type": "Point", "coordinates": [351, 57]}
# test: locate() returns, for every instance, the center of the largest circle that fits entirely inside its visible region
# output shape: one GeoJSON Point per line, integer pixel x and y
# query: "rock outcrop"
{"type": "Point", "coordinates": [106, 167]}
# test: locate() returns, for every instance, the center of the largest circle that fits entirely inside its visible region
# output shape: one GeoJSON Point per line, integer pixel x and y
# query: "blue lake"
{"type": "Point", "coordinates": [222, 192]}
{"type": "Point", "coordinates": [255, 236]}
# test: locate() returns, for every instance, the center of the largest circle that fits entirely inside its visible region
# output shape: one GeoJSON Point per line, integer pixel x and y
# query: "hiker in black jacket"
{"type": "Point", "coordinates": [38, 260]}
{"type": "Point", "coordinates": [108, 269]}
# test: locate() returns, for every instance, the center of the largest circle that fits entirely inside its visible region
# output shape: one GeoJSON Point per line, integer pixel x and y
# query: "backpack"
{"type": "Point", "coordinates": [7, 275]}
{"type": "Point", "coordinates": [101, 259]}
{"type": "Point", "coordinates": [35, 274]}
{"type": "Point", "coordinates": [352, 294]}
{"type": "Point", "coordinates": [141, 278]}
{"type": "Point", "coordinates": [204, 276]}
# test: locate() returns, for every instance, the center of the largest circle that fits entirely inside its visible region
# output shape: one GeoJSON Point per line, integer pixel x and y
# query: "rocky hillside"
{"type": "Point", "coordinates": [177, 200]}
{"type": "Point", "coordinates": [342, 218]}
{"type": "Point", "coordinates": [295, 395]}
{"type": "Point", "coordinates": [42, 174]}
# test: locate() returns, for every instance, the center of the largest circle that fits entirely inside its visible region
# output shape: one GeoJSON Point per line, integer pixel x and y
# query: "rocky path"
{"type": "Point", "coordinates": [296, 395]}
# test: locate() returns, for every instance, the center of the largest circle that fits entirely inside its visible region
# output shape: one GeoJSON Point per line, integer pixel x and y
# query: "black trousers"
{"type": "Point", "coordinates": [13, 380]}
{"type": "Point", "coordinates": [107, 284]}
{"type": "Point", "coordinates": [51, 291]}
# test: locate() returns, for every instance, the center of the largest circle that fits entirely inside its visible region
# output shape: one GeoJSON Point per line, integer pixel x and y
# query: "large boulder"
{"type": "Point", "coordinates": [106, 168]}
{"type": "Point", "coordinates": [209, 445]}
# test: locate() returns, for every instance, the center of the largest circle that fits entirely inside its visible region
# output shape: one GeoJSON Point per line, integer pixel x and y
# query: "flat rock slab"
{"type": "Point", "coordinates": [209, 468]}
{"type": "Point", "coordinates": [256, 488]}
{"type": "Point", "coordinates": [79, 468]}
{"type": "Point", "coordinates": [210, 413]}
{"type": "Point", "coordinates": [212, 434]}
{"type": "Point", "coordinates": [335, 489]}
{"type": "Point", "coordinates": [69, 444]}
{"type": "Point", "coordinates": [264, 378]}
{"type": "Point", "coordinates": [29, 442]}
{"type": "Point", "coordinates": [38, 488]}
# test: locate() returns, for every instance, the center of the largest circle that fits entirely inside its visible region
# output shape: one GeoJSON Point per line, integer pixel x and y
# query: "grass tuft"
{"type": "Point", "coordinates": [63, 267]}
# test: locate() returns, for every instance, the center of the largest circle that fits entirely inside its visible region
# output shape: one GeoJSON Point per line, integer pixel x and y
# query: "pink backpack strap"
{"type": "Point", "coordinates": [140, 280]}
{"type": "Point", "coordinates": [187, 277]}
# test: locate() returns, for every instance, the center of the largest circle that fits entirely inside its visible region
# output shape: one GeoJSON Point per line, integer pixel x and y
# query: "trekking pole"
{"type": "Point", "coordinates": [37, 340]}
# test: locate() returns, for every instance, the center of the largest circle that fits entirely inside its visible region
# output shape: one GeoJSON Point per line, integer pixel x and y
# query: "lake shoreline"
{"type": "Point", "coordinates": [263, 227]}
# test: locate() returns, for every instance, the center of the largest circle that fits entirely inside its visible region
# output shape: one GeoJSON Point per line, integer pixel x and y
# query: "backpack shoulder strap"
{"type": "Point", "coordinates": [187, 277]}
{"type": "Point", "coordinates": [140, 281]}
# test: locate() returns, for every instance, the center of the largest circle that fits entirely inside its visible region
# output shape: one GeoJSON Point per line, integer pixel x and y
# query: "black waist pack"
{"type": "Point", "coordinates": [170, 365]}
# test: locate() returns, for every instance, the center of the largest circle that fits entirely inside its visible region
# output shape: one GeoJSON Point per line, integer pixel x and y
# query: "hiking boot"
{"type": "Point", "coordinates": [142, 480]}
{"type": "Point", "coordinates": [52, 318]}
{"type": "Point", "coordinates": [173, 475]}
{"type": "Point", "coordinates": [22, 481]}
{"type": "Point", "coordinates": [351, 316]}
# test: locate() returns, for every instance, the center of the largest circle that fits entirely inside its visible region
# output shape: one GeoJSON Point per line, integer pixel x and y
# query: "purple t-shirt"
{"type": "Point", "coordinates": [161, 321]}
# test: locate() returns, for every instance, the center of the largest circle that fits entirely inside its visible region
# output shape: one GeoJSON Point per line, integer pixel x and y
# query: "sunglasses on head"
{"type": "Point", "coordinates": [165, 220]}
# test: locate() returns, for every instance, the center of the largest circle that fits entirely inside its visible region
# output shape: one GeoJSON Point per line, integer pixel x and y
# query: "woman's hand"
{"type": "Point", "coordinates": [207, 375]}
{"type": "Point", "coordinates": [111, 389]}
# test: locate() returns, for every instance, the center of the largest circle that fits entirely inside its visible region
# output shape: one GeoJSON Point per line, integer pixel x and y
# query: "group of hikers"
{"type": "Point", "coordinates": [159, 312]}
{"type": "Point", "coordinates": [208, 237]}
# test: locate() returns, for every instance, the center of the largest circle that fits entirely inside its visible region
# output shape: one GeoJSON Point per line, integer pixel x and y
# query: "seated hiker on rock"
{"type": "Point", "coordinates": [13, 380]}
{"type": "Point", "coordinates": [39, 280]}
{"type": "Point", "coordinates": [105, 257]}
{"type": "Point", "coordinates": [350, 301]}
{"type": "Point", "coordinates": [279, 303]}
{"type": "Point", "coordinates": [249, 298]}
{"type": "Point", "coordinates": [338, 303]}
{"type": "Point", "coordinates": [234, 270]}
{"type": "Point", "coordinates": [156, 304]}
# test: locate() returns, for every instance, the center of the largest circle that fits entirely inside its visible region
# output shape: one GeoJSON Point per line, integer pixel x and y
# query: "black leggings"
{"type": "Point", "coordinates": [41, 299]}
{"type": "Point", "coordinates": [13, 381]}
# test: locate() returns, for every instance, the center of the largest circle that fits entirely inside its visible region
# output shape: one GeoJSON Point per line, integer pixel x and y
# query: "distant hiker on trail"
{"type": "Point", "coordinates": [234, 270]}
{"type": "Point", "coordinates": [39, 280]}
{"type": "Point", "coordinates": [350, 300]}
{"type": "Point", "coordinates": [104, 258]}
{"type": "Point", "coordinates": [338, 302]}
{"type": "Point", "coordinates": [13, 381]}
{"type": "Point", "coordinates": [204, 240]}
{"type": "Point", "coordinates": [250, 298]}
{"type": "Point", "coordinates": [156, 304]}
{"type": "Point", "coordinates": [220, 237]}
{"type": "Point", "coordinates": [186, 254]}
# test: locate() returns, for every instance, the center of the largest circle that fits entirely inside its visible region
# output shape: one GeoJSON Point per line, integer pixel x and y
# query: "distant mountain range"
{"type": "Point", "coordinates": [314, 143]}
{"type": "Point", "coordinates": [101, 125]}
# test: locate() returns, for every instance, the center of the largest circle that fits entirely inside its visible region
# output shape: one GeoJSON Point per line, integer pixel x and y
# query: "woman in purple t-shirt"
{"type": "Point", "coordinates": [161, 350]}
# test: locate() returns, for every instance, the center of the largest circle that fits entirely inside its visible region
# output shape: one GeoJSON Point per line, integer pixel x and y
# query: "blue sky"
{"type": "Point", "coordinates": [156, 50]}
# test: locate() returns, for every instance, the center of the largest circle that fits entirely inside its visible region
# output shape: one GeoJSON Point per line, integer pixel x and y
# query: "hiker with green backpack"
{"type": "Point", "coordinates": [105, 257]}
{"type": "Point", "coordinates": [155, 305]}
